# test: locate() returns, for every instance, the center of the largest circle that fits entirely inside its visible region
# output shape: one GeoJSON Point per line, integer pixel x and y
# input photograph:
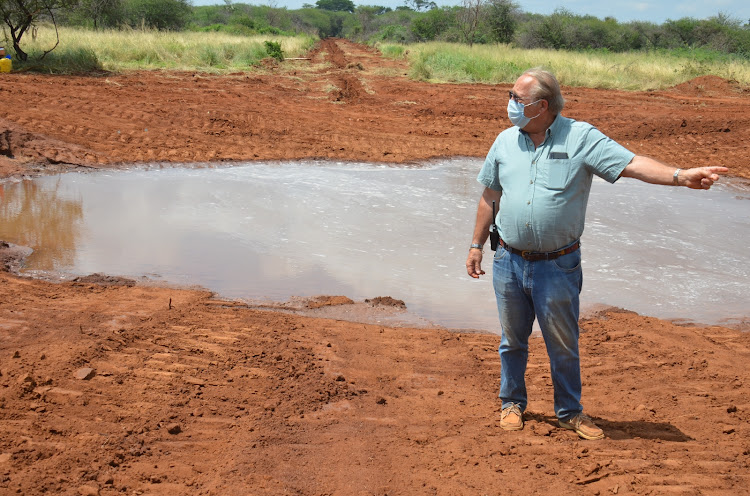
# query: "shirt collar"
{"type": "Point", "coordinates": [555, 126]}
{"type": "Point", "coordinates": [552, 129]}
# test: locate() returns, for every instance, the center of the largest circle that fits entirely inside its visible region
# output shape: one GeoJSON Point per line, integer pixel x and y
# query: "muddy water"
{"type": "Point", "coordinates": [273, 231]}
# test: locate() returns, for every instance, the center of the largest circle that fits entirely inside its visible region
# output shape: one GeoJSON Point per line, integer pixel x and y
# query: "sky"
{"type": "Point", "coordinates": [622, 10]}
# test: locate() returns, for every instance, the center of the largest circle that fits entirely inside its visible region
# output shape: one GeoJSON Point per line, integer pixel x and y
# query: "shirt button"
{"type": "Point", "coordinates": [528, 203]}
{"type": "Point", "coordinates": [531, 182]}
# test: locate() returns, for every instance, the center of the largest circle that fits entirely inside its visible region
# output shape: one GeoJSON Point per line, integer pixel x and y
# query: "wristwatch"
{"type": "Point", "coordinates": [676, 177]}
{"type": "Point", "coordinates": [476, 245]}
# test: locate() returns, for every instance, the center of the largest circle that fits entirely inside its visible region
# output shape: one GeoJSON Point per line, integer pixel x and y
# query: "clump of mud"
{"type": "Point", "coordinates": [386, 301]}
{"type": "Point", "coordinates": [104, 280]}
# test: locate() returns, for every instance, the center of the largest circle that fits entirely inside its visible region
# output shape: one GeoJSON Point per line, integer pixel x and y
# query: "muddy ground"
{"type": "Point", "coordinates": [108, 387]}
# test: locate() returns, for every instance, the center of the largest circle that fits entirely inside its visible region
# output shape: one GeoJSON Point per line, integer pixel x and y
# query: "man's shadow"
{"type": "Point", "coordinates": [634, 429]}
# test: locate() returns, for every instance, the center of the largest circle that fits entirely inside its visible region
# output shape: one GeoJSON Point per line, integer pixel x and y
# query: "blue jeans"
{"type": "Point", "coordinates": [549, 290]}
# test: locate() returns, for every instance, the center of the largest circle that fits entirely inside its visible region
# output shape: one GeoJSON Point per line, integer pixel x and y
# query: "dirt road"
{"type": "Point", "coordinates": [112, 388]}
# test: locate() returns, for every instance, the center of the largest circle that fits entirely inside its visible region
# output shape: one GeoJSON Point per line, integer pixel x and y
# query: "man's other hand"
{"type": "Point", "coordinates": [474, 263]}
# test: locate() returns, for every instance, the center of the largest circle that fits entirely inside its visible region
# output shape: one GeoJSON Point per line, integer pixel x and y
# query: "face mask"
{"type": "Point", "coordinates": [516, 115]}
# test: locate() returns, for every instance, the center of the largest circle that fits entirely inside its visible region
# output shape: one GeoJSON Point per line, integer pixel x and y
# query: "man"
{"type": "Point", "coordinates": [542, 168]}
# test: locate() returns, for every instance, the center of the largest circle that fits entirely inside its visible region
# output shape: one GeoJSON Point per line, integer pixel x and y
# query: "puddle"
{"type": "Point", "coordinates": [269, 232]}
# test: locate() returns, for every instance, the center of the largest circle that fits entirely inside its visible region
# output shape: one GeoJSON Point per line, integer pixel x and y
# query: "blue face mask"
{"type": "Point", "coordinates": [516, 115]}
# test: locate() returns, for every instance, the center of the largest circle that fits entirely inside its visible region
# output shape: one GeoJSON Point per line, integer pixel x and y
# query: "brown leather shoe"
{"type": "Point", "coordinates": [584, 427]}
{"type": "Point", "coordinates": [511, 418]}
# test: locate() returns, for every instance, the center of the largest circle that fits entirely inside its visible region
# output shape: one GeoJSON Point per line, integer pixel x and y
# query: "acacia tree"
{"type": "Point", "coordinates": [102, 13]}
{"type": "Point", "coordinates": [501, 18]}
{"type": "Point", "coordinates": [20, 16]}
{"type": "Point", "coordinates": [335, 5]}
{"type": "Point", "coordinates": [468, 18]}
{"type": "Point", "coordinates": [420, 5]}
{"type": "Point", "coordinates": [158, 14]}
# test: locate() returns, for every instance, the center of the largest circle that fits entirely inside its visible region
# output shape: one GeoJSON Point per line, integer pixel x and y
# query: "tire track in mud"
{"type": "Point", "coordinates": [350, 88]}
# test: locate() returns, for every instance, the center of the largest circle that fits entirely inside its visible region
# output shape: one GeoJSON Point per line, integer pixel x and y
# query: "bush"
{"type": "Point", "coordinates": [395, 33]}
{"type": "Point", "coordinates": [273, 48]}
{"type": "Point", "coordinates": [431, 24]}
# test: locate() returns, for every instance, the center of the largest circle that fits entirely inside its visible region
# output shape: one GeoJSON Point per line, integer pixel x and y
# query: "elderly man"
{"type": "Point", "coordinates": [542, 168]}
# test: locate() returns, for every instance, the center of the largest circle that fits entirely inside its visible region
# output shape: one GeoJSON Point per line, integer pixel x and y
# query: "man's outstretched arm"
{"type": "Point", "coordinates": [652, 171]}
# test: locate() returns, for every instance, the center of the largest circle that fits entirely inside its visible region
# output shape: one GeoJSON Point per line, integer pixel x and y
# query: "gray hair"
{"type": "Point", "coordinates": [547, 88]}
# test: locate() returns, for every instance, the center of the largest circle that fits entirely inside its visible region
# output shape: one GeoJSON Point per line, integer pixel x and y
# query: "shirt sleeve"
{"type": "Point", "coordinates": [604, 156]}
{"type": "Point", "coordinates": [488, 176]}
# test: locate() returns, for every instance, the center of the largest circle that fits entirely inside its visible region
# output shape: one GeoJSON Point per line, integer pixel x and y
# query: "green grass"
{"type": "Point", "coordinates": [392, 51]}
{"type": "Point", "coordinates": [448, 62]}
{"type": "Point", "coordinates": [82, 50]}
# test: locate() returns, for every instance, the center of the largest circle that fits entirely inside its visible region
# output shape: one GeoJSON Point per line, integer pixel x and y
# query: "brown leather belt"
{"type": "Point", "coordinates": [534, 256]}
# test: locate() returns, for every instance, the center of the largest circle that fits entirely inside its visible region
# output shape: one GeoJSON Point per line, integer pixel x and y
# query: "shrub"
{"type": "Point", "coordinates": [273, 48]}
{"type": "Point", "coordinates": [394, 32]}
{"type": "Point", "coordinates": [431, 24]}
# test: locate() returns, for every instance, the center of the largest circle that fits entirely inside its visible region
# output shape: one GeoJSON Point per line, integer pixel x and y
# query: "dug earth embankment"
{"type": "Point", "coordinates": [112, 388]}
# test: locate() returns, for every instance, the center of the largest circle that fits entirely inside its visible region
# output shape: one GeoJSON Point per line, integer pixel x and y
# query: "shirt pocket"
{"type": "Point", "coordinates": [558, 173]}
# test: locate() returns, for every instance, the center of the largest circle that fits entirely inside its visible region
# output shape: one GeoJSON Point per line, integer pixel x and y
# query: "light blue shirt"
{"type": "Point", "coordinates": [545, 190]}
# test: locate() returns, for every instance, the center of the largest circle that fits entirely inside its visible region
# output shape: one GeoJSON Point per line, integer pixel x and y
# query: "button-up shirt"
{"type": "Point", "coordinates": [545, 189]}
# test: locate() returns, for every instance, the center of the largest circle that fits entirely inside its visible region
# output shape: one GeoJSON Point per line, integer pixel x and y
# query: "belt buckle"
{"type": "Point", "coordinates": [525, 254]}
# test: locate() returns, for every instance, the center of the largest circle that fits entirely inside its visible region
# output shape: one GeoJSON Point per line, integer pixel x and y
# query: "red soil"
{"type": "Point", "coordinates": [190, 395]}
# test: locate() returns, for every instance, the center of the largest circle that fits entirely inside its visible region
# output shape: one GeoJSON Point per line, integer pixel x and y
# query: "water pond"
{"type": "Point", "coordinates": [271, 231]}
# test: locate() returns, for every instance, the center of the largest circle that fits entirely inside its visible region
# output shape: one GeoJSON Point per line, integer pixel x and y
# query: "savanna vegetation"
{"type": "Point", "coordinates": [85, 50]}
{"type": "Point", "coordinates": [643, 70]}
{"type": "Point", "coordinates": [474, 40]}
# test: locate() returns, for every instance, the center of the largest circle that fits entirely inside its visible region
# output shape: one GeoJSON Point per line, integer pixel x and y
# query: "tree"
{"type": "Point", "coordinates": [20, 16]}
{"type": "Point", "coordinates": [336, 5]}
{"type": "Point", "coordinates": [159, 14]}
{"type": "Point", "coordinates": [431, 24]}
{"type": "Point", "coordinates": [501, 18]}
{"type": "Point", "coordinates": [468, 18]}
{"type": "Point", "coordinates": [420, 5]}
{"type": "Point", "coordinates": [366, 16]}
{"type": "Point", "coordinates": [102, 13]}
{"type": "Point", "coordinates": [317, 21]}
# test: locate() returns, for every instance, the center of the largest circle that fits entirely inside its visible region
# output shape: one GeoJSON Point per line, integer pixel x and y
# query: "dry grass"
{"type": "Point", "coordinates": [117, 50]}
{"type": "Point", "coordinates": [447, 62]}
